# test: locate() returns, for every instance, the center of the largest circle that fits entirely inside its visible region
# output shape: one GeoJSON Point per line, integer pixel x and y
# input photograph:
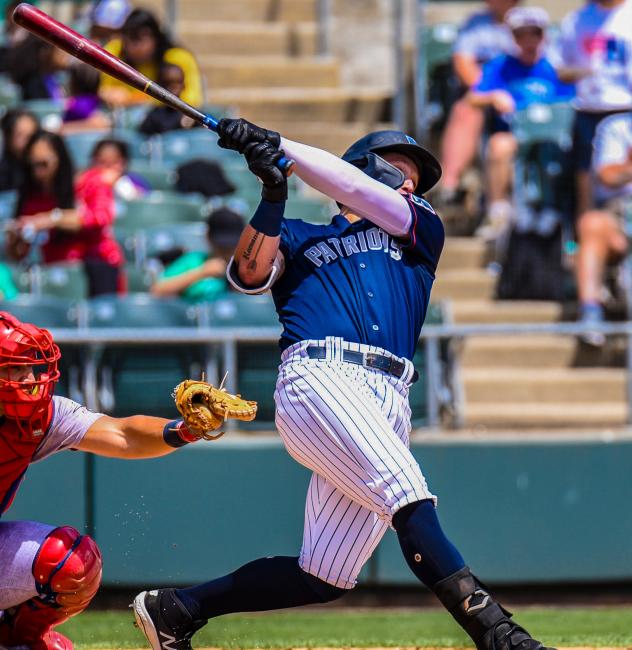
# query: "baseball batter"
{"type": "Point", "coordinates": [351, 297]}
{"type": "Point", "coordinates": [48, 573]}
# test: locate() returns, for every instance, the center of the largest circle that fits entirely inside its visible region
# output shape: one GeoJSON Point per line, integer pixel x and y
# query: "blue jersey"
{"type": "Point", "coordinates": [527, 84]}
{"type": "Point", "coordinates": [356, 281]}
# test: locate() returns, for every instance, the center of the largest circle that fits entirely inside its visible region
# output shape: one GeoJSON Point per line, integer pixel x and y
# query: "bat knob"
{"type": "Point", "coordinates": [286, 165]}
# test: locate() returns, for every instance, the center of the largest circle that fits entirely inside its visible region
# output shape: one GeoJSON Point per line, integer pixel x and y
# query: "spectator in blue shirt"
{"type": "Point", "coordinates": [509, 83]}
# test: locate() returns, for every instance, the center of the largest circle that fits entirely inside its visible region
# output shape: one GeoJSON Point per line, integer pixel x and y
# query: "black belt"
{"type": "Point", "coordinates": [389, 365]}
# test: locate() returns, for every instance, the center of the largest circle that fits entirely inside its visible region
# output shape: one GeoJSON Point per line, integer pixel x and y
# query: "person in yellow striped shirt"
{"type": "Point", "coordinates": [144, 46]}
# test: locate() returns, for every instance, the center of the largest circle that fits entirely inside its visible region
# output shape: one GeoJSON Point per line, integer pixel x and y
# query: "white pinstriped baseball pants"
{"type": "Point", "coordinates": [350, 426]}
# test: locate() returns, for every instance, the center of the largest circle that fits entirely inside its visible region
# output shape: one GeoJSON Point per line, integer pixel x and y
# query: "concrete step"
{"type": "Point", "coordinates": [226, 38]}
{"type": "Point", "coordinates": [249, 10]}
{"type": "Point", "coordinates": [518, 352]}
{"type": "Point", "coordinates": [535, 415]}
{"type": "Point", "coordinates": [544, 385]}
{"type": "Point", "coordinates": [205, 37]}
{"type": "Point", "coordinates": [463, 283]}
{"type": "Point", "coordinates": [461, 253]}
{"type": "Point", "coordinates": [270, 71]}
{"type": "Point", "coordinates": [333, 105]}
{"type": "Point", "coordinates": [510, 311]}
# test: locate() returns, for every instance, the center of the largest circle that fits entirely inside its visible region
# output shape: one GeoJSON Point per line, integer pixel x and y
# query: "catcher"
{"type": "Point", "coordinates": [47, 573]}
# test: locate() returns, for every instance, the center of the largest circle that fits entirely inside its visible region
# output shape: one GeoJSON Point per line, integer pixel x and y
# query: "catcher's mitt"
{"type": "Point", "coordinates": [204, 407]}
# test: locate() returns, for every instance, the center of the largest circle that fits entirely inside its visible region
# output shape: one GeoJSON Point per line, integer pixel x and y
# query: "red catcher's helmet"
{"type": "Point", "coordinates": [24, 344]}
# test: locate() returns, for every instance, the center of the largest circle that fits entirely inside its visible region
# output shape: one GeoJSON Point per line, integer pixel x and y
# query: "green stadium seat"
{"type": "Point", "coordinates": [47, 111]}
{"type": "Point", "coordinates": [436, 45]}
{"type": "Point", "coordinates": [65, 280]}
{"type": "Point", "coordinates": [80, 145]}
{"type": "Point", "coordinates": [157, 369]}
{"type": "Point", "coordinates": [45, 311]}
{"type": "Point", "coordinates": [53, 313]}
{"type": "Point", "coordinates": [8, 204]}
{"type": "Point", "coordinates": [188, 236]}
{"type": "Point", "coordinates": [544, 123]}
{"type": "Point", "coordinates": [418, 396]}
{"type": "Point", "coordinates": [159, 178]}
{"type": "Point", "coordinates": [139, 279]}
{"type": "Point", "coordinates": [177, 147]}
{"type": "Point", "coordinates": [130, 117]}
{"type": "Point", "coordinates": [21, 276]}
{"type": "Point", "coordinates": [257, 363]}
{"type": "Point", "coordinates": [298, 207]}
{"type": "Point", "coordinates": [9, 93]}
{"type": "Point", "coordinates": [159, 208]}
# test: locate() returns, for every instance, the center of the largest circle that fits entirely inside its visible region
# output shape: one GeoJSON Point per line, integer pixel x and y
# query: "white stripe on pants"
{"type": "Point", "coordinates": [350, 426]}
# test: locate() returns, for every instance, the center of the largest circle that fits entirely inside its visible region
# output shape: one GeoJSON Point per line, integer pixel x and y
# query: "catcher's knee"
{"type": "Point", "coordinates": [323, 590]}
{"type": "Point", "coordinates": [67, 570]}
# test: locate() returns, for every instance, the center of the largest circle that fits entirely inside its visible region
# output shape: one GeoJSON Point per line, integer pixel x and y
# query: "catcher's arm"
{"type": "Point", "coordinates": [138, 436]}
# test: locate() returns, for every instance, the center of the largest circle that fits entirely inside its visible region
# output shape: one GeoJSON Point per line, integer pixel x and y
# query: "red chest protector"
{"type": "Point", "coordinates": [16, 452]}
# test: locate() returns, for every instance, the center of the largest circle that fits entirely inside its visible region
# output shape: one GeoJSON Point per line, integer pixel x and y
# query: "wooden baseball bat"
{"type": "Point", "coordinates": [82, 48]}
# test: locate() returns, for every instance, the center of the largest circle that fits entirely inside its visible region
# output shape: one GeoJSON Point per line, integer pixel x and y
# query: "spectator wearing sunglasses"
{"type": "Point", "coordinates": [71, 220]}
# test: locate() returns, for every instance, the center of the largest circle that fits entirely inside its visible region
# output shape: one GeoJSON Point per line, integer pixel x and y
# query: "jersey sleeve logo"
{"type": "Point", "coordinates": [418, 200]}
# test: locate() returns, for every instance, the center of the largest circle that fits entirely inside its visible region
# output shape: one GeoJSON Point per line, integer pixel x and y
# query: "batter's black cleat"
{"type": "Point", "coordinates": [488, 623]}
{"type": "Point", "coordinates": [164, 620]}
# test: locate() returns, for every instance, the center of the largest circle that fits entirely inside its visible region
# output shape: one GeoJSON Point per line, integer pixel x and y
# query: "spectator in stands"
{"type": "Point", "coordinates": [164, 118]}
{"type": "Point", "coordinates": [17, 126]}
{"type": "Point", "coordinates": [595, 50]}
{"type": "Point", "coordinates": [509, 83]}
{"type": "Point", "coordinates": [34, 65]}
{"type": "Point", "coordinates": [146, 47]}
{"type": "Point", "coordinates": [71, 220]}
{"type": "Point", "coordinates": [112, 156]}
{"type": "Point", "coordinates": [484, 36]}
{"type": "Point", "coordinates": [83, 110]}
{"type": "Point", "coordinates": [197, 276]}
{"type": "Point", "coordinates": [107, 19]}
{"type": "Point", "coordinates": [13, 34]}
{"type": "Point", "coordinates": [601, 234]}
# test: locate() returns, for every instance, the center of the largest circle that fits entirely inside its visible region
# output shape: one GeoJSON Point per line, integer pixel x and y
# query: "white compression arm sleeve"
{"type": "Point", "coordinates": [366, 197]}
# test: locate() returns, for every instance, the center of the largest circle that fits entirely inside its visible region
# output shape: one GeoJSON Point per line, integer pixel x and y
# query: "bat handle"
{"type": "Point", "coordinates": [286, 165]}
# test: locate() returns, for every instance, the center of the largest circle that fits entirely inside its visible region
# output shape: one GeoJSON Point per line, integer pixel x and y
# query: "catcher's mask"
{"type": "Point", "coordinates": [365, 154]}
{"type": "Point", "coordinates": [28, 370]}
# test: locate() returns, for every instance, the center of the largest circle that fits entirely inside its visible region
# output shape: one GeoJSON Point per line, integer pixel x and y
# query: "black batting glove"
{"type": "Point", "coordinates": [262, 160]}
{"type": "Point", "coordinates": [238, 134]}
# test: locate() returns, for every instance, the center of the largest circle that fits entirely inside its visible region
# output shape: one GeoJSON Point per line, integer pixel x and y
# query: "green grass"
{"type": "Point", "coordinates": [610, 626]}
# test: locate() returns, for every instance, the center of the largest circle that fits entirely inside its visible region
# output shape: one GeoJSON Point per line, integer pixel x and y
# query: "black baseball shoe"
{"type": "Point", "coordinates": [164, 620]}
{"type": "Point", "coordinates": [508, 635]}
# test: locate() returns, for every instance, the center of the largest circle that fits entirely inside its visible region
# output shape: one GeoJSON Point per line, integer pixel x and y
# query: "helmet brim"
{"type": "Point", "coordinates": [428, 165]}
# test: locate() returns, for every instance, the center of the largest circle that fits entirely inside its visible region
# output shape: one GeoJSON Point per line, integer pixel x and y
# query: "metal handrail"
{"type": "Point", "coordinates": [229, 338]}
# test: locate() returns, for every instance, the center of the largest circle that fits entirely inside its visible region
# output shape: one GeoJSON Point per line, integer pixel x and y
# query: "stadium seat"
{"type": "Point", "coordinates": [124, 370]}
{"type": "Point", "coordinates": [53, 313]}
{"type": "Point", "coordinates": [21, 276]}
{"type": "Point", "coordinates": [159, 178]}
{"type": "Point", "coordinates": [8, 204]}
{"type": "Point", "coordinates": [544, 123]}
{"type": "Point", "coordinates": [418, 396]}
{"type": "Point", "coordinates": [47, 111]}
{"type": "Point", "coordinates": [65, 280]}
{"type": "Point", "coordinates": [80, 145]}
{"type": "Point", "coordinates": [188, 236]}
{"type": "Point", "coordinates": [177, 147]}
{"type": "Point", "coordinates": [434, 72]}
{"type": "Point", "coordinates": [159, 208]}
{"type": "Point", "coordinates": [139, 279]}
{"type": "Point", "coordinates": [257, 363]}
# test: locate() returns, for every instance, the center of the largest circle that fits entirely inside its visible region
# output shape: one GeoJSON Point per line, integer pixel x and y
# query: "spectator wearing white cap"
{"type": "Point", "coordinates": [509, 83]}
{"type": "Point", "coordinates": [600, 231]}
{"type": "Point", "coordinates": [595, 50]}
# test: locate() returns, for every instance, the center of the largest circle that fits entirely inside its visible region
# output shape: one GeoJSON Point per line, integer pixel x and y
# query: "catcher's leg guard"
{"type": "Point", "coordinates": [67, 571]}
{"type": "Point", "coordinates": [488, 623]}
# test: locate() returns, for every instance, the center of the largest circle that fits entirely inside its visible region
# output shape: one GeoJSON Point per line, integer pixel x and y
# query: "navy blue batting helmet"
{"type": "Point", "coordinates": [365, 154]}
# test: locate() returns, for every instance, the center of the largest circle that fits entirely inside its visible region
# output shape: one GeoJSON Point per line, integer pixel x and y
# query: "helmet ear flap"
{"type": "Point", "coordinates": [380, 170]}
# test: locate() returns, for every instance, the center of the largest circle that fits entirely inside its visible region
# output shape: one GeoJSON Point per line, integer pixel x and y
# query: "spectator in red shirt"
{"type": "Point", "coordinates": [73, 218]}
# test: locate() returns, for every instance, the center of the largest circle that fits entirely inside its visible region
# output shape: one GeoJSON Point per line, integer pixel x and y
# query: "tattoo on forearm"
{"type": "Point", "coordinates": [252, 265]}
{"type": "Point", "coordinates": [251, 244]}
